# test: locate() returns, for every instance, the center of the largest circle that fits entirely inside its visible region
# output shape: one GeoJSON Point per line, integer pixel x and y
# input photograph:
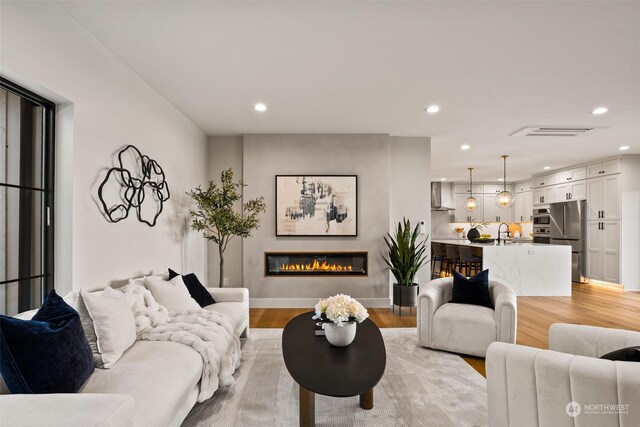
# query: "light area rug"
{"type": "Point", "coordinates": [420, 387]}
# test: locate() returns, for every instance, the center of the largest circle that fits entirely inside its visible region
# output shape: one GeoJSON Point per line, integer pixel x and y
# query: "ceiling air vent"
{"type": "Point", "coordinates": [550, 131]}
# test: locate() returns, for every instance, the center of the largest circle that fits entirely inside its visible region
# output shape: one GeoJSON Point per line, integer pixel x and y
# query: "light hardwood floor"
{"type": "Point", "coordinates": [589, 305]}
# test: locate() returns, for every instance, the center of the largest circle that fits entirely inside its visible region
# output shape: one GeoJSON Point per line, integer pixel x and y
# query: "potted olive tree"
{"type": "Point", "coordinates": [405, 257]}
{"type": "Point", "coordinates": [217, 217]}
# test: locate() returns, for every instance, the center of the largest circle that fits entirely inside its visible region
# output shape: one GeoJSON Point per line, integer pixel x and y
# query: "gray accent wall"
{"type": "Point", "coordinates": [225, 152]}
{"type": "Point", "coordinates": [393, 181]}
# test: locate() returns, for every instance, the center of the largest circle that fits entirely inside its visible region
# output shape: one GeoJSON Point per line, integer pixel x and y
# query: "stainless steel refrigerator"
{"type": "Point", "coordinates": [568, 227]}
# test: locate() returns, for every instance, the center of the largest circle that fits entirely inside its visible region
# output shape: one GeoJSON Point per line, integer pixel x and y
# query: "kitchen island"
{"type": "Point", "coordinates": [531, 269]}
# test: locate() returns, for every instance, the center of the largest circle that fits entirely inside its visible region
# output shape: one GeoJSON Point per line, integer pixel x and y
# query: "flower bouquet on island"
{"type": "Point", "coordinates": [339, 315]}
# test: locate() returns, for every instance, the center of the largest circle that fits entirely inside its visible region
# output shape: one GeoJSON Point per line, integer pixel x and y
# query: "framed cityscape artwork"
{"type": "Point", "coordinates": [318, 205]}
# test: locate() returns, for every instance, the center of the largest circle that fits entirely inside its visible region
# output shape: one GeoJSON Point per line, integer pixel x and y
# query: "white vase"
{"type": "Point", "coordinates": [340, 336]}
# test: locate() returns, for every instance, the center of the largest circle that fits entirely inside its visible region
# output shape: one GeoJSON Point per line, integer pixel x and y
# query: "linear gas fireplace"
{"type": "Point", "coordinates": [316, 263]}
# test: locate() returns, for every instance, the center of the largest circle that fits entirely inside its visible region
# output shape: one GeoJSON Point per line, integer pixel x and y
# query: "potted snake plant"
{"type": "Point", "coordinates": [406, 255]}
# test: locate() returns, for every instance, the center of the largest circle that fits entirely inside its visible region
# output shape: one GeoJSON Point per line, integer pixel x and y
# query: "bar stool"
{"type": "Point", "coordinates": [469, 262]}
{"type": "Point", "coordinates": [437, 255]}
{"type": "Point", "coordinates": [453, 258]}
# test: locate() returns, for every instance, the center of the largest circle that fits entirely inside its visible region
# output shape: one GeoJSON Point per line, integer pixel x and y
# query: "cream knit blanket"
{"type": "Point", "coordinates": [209, 333]}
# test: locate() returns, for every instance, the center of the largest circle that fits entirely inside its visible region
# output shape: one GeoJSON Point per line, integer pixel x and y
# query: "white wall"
{"type": "Point", "coordinates": [43, 49]}
{"type": "Point", "coordinates": [63, 213]}
{"type": "Point", "coordinates": [630, 224]}
{"type": "Point", "coordinates": [410, 186]}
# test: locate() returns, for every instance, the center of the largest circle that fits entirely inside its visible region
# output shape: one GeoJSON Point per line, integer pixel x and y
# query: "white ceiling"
{"type": "Point", "coordinates": [372, 67]}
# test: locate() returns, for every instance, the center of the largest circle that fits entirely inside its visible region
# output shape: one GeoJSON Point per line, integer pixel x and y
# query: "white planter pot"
{"type": "Point", "coordinates": [340, 336]}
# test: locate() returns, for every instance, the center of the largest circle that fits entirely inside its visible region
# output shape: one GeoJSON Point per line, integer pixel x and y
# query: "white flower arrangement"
{"type": "Point", "coordinates": [339, 309]}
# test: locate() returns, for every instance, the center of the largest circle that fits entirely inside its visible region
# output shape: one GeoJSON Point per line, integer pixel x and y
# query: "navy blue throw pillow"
{"type": "Point", "coordinates": [473, 290]}
{"type": "Point", "coordinates": [48, 354]}
{"type": "Point", "coordinates": [196, 289]}
{"type": "Point", "coordinates": [628, 354]}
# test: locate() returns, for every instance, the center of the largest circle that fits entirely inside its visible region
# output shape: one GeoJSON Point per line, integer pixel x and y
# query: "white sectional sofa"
{"type": "Point", "coordinates": [531, 387]}
{"type": "Point", "coordinates": [154, 384]}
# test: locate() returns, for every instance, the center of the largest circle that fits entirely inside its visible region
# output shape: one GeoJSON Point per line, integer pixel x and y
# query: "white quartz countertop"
{"type": "Point", "coordinates": [533, 269]}
{"type": "Point", "coordinates": [466, 242]}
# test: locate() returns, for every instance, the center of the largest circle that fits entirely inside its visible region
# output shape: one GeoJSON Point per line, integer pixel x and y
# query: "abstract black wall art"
{"type": "Point", "coordinates": [137, 182]}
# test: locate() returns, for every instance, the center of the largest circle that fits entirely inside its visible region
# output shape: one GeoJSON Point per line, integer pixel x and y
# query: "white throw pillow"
{"type": "Point", "coordinates": [173, 294]}
{"type": "Point", "coordinates": [140, 281]}
{"type": "Point", "coordinates": [113, 323]}
{"type": "Point", "coordinates": [76, 300]}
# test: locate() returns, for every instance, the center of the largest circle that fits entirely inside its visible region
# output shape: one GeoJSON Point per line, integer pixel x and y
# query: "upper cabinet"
{"type": "Point", "coordinates": [491, 188]}
{"type": "Point", "coordinates": [571, 191]}
{"type": "Point", "coordinates": [496, 188]}
{"type": "Point", "coordinates": [576, 174]}
{"type": "Point", "coordinates": [544, 196]}
{"type": "Point", "coordinates": [607, 167]}
{"type": "Point", "coordinates": [523, 206]}
{"type": "Point", "coordinates": [493, 213]}
{"type": "Point", "coordinates": [521, 187]}
{"type": "Point", "coordinates": [461, 214]}
{"type": "Point", "coordinates": [464, 189]}
{"type": "Point", "coordinates": [603, 198]}
{"type": "Point", "coordinates": [544, 181]}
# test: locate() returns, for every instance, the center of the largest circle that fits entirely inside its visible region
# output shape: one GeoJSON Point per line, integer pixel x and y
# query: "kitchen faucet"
{"type": "Point", "coordinates": [499, 232]}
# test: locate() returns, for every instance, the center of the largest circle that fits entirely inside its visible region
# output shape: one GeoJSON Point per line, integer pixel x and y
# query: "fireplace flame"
{"type": "Point", "coordinates": [315, 266]}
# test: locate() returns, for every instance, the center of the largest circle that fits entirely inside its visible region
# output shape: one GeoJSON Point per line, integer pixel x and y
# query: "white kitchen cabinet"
{"type": "Point", "coordinates": [518, 207]}
{"type": "Point", "coordinates": [523, 207]}
{"type": "Point", "coordinates": [461, 214]}
{"type": "Point", "coordinates": [549, 195]}
{"type": "Point", "coordinates": [490, 213]}
{"type": "Point", "coordinates": [544, 196]}
{"type": "Point", "coordinates": [603, 250]}
{"type": "Point", "coordinates": [521, 187]}
{"type": "Point", "coordinates": [604, 168]}
{"type": "Point", "coordinates": [528, 206]}
{"type": "Point", "coordinates": [491, 188]}
{"type": "Point", "coordinates": [571, 175]}
{"type": "Point", "coordinates": [571, 191]}
{"type": "Point", "coordinates": [464, 189]}
{"type": "Point", "coordinates": [496, 188]}
{"type": "Point", "coordinates": [544, 181]}
{"type": "Point", "coordinates": [603, 198]}
{"type": "Point", "coordinates": [493, 213]}
{"type": "Point", "coordinates": [594, 250]}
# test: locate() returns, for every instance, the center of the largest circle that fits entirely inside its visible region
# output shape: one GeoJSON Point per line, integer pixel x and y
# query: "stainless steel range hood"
{"type": "Point", "coordinates": [441, 196]}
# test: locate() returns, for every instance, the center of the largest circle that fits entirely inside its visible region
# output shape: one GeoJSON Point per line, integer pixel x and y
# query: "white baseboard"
{"type": "Point", "coordinates": [311, 302]}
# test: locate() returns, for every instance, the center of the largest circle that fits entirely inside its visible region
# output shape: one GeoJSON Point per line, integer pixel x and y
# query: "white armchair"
{"type": "Point", "coordinates": [532, 387]}
{"type": "Point", "coordinates": [464, 328]}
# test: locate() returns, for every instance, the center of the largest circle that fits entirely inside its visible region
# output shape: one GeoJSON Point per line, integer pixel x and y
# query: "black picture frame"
{"type": "Point", "coordinates": [335, 219]}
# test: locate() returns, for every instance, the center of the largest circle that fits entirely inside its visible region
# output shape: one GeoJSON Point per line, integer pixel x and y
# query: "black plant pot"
{"type": "Point", "coordinates": [473, 234]}
{"type": "Point", "coordinates": [405, 296]}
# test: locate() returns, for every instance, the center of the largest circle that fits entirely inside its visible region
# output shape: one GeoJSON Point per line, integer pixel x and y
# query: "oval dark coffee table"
{"type": "Point", "coordinates": [319, 367]}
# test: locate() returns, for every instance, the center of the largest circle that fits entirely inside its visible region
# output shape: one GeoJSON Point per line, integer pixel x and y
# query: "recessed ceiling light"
{"type": "Point", "coordinates": [624, 148]}
{"type": "Point", "coordinates": [260, 107]}
{"type": "Point", "coordinates": [432, 109]}
{"type": "Point", "coordinates": [465, 147]}
{"type": "Point", "coordinates": [546, 168]}
{"type": "Point", "coordinates": [500, 179]}
{"type": "Point", "coordinates": [443, 179]}
{"type": "Point", "coordinates": [600, 110]}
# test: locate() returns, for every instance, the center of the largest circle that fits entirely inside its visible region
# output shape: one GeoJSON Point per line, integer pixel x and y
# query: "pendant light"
{"type": "Point", "coordinates": [471, 203]}
{"type": "Point", "coordinates": [505, 198]}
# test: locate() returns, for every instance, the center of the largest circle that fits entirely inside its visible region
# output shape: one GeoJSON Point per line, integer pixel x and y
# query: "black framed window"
{"type": "Point", "coordinates": [27, 123]}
